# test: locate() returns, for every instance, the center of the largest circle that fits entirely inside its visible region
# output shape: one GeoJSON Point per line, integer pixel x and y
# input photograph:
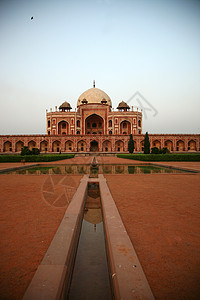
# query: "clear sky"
{"type": "Point", "coordinates": [150, 46]}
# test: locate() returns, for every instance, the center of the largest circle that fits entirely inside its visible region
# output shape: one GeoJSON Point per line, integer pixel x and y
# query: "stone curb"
{"type": "Point", "coordinates": [182, 168]}
{"type": "Point", "coordinates": [18, 168]}
{"type": "Point", "coordinates": [129, 280]}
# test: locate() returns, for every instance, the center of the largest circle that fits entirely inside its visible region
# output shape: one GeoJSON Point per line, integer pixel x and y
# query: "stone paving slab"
{"type": "Point", "coordinates": [129, 280]}
{"type": "Point", "coordinates": [162, 217]}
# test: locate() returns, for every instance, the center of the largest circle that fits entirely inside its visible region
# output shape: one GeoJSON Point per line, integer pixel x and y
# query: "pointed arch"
{"type": "Point", "coordinates": [44, 146]}
{"type": "Point", "coordinates": [7, 146]}
{"type": "Point", "coordinates": [192, 145]}
{"type": "Point", "coordinates": [169, 145]}
{"type": "Point", "coordinates": [18, 146]}
{"type": "Point", "coordinates": [69, 146]}
{"type": "Point", "coordinates": [63, 127]}
{"type": "Point", "coordinates": [94, 146]}
{"type": "Point", "coordinates": [157, 143]}
{"type": "Point", "coordinates": [81, 146]}
{"type": "Point", "coordinates": [56, 146]}
{"type": "Point", "coordinates": [119, 146]}
{"type": "Point", "coordinates": [94, 124]}
{"type": "Point", "coordinates": [125, 127]}
{"type": "Point", "coordinates": [180, 145]}
{"type": "Point", "coordinates": [107, 146]}
{"type": "Point", "coordinates": [31, 144]}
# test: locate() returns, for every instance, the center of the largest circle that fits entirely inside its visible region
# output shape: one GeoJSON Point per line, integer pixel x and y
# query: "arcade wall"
{"type": "Point", "coordinates": [104, 143]}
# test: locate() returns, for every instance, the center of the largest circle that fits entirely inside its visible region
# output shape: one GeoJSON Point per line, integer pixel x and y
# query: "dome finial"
{"type": "Point", "coordinates": [93, 83]}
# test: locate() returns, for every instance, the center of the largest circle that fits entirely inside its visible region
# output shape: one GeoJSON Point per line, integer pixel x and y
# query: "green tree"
{"type": "Point", "coordinates": [146, 144]}
{"type": "Point", "coordinates": [131, 145]}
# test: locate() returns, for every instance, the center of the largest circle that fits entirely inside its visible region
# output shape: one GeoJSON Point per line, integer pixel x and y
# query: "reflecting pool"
{"type": "Point", "coordinates": [101, 169]}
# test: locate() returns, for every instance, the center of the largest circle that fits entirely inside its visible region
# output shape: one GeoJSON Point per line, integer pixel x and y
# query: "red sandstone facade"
{"type": "Point", "coordinates": [95, 127]}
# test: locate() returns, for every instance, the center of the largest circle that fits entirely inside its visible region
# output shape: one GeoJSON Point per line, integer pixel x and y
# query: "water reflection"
{"type": "Point", "coordinates": [102, 169]}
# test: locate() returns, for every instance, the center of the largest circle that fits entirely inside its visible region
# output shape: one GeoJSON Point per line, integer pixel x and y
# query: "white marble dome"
{"type": "Point", "coordinates": [94, 96]}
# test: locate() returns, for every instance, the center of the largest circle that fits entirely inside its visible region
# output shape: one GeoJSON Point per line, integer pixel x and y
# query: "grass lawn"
{"type": "Point", "coordinates": [4, 158]}
{"type": "Point", "coordinates": [163, 157]}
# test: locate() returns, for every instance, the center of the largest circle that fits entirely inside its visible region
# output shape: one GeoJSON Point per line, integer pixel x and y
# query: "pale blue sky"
{"type": "Point", "coordinates": [150, 46]}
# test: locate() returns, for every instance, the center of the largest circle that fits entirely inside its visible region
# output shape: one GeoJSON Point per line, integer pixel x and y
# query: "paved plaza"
{"type": "Point", "coordinates": [161, 213]}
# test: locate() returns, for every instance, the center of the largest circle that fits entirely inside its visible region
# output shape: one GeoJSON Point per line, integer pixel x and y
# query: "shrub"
{"type": "Point", "coordinates": [35, 151]}
{"type": "Point", "coordinates": [165, 150]}
{"type": "Point", "coordinates": [156, 150]}
{"type": "Point", "coordinates": [26, 151]}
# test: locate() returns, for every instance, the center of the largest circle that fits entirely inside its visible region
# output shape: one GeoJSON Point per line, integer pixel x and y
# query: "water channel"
{"type": "Point", "coordinates": [90, 276]}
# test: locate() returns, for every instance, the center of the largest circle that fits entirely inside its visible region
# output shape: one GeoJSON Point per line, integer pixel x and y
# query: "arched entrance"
{"type": "Point", "coordinates": [7, 146]}
{"type": "Point", "coordinates": [157, 144]}
{"type": "Point", "coordinates": [63, 127]}
{"type": "Point", "coordinates": [94, 146]}
{"type": "Point", "coordinates": [56, 146]}
{"type": "Point", "coordinates": [125, 127]}
{"type": "Point", "coordinates": [18, 146]}
{"type": "Point", "coordinates": [43, 146]}
{"type": "Point", "coordinates": [69, 145]}
{"type": "Point", "coordinates": [180, 146]}
{"type": "Point", "coordinates": [94, 124]}
{"type": "Point", "coordinates": [31, 145]}
{"type": "Point", "coordinates": [192, 145]}
{"type": "Point", "coordinates": [82, 146]}
{"type": "Point", "coordinates": [107, 147]}
{"type": "Point", "coordinates": [169, 145]}
{"type": "Point", "coordinates": [119, 146]}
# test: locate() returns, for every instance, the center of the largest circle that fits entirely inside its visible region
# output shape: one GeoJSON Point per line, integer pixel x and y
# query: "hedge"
{"type": "Point", "coordinates": [162, 157]}
{"type": "Point", "coordinates": [34, 158]}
